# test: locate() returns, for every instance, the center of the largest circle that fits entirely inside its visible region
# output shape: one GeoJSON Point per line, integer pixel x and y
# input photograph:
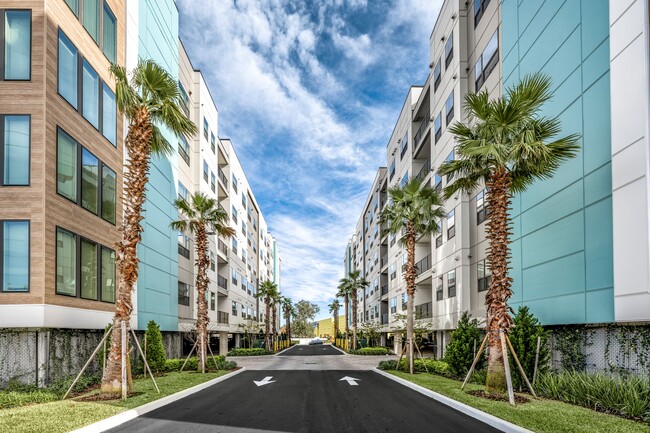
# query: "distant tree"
{"type": "Point", "coordinates": [305, 314]}
{"type": "Point", "coordinates": [334, 309]}
{"type": "Point", "coordinates": [268, 290]}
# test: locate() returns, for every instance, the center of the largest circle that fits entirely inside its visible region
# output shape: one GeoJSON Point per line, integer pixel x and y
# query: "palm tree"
{"type": "Point", "coordinates": [275, 301]}
{"type": "Point", "coordinates": [506, 146]}
{"type": "Point", "coordinates": [267, 291]}
{"type": "Point", "coordinates": [345, 289]}
{"type": "Point", "coordinates": [200, 215]}
{"type": "Point", "coordinates": [149, 97]}
{"type": "Point", "coordinates": [334, 308]}
{"type": "Point", "coordinates": [414, 210]}
{"type": "Point", "coordinates": [359, 284]}
{"type": "Point", "coordinates": [287, 307]}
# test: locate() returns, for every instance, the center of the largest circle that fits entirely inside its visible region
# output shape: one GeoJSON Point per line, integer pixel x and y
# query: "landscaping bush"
{"type": "Point", "coordinates": [154, 348]}
{"type": "Point", "coordinates": [523, 336]}
{"type": "Point", "coordinates": [192, 363]}
{"type": "Point", "coordinates": [432, 366]}
{"type": "Point", "coordinates": [249, 352]}
{"type": "Point", "coordinates": [459, 353]}
{"type": "Point", "coordinates": [625, 396]}
{"type": "Point", "coordinates": [369, 351]}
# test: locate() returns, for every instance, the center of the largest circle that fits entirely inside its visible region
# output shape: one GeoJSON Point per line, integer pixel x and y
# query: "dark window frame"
{"type": "Point", "coordinates": [99, 247]}
{"type": "Point", "coordinates": [449, 113]}
{"type": "Point", "coordinates": [437, 77]}
{"type": "Point", "coordinates": [482, 211]}
{"type": "Point", "coordinates": [100, 172]}
{"type": "Point", "coordinates": [451, 288]}
{"type": "Point", "coordinates": [2, 43]}
{"type": "Point", "coordinates": [100, 28]}
{"type": "Point", "coordinates": [29, 251]}
{"type": "Point", "coordinates": [483, 283]}
{"type": "Point", "coordinates": [487, 66]}
{"type": "Point", "coordinates": [189, 291]}
{"type": "Point", "coordinates": [2, 150]}
{"type": "Point", "coordinates": [480, 11]}
{"type": "Point", "coordinates": [449, 56]}
{"type": "Point", "coordinates": [440, 294]}
{"type": "Point", "coordinates": [451, 231]}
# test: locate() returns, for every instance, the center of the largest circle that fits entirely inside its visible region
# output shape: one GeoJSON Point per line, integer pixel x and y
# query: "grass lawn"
{"type": "Point", "coordinates": [541, 416]}
{"type": "Point", "coordinates": [63, 416]}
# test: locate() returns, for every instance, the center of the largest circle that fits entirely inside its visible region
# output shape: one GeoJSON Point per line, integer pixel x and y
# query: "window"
{"type": "Point", "coordinates": [89, 181]}
{"type": "Point", "coordinates": [84, 268]}
{"type": "Point", "coordinates": [244, 283]}
{"type": "Point", "coordinates": [183, 245]}
{"type": "Point", "coordinates": [183, 193]}
{"type": "Point", "coordinates": [234, 308]}
{"type": "Point", "coordinates": [234, 278]}
{"type": "Point", "coordinates": [483, 274]}
{"type": "Point", "coordinates": [449, 108]}
{"type": "Point", "coordinates": [206, 128]}
{"type": "Point", "coordinates": [404, 144]}
{"type": "Point", "coordinates": [439, 294]}
{"type": "Point", "coordinates": [17, 42]}
{"type": "Point", "coordinates": [184, 149]}
{"type": "Point", "coordinates": [436, 75]}
{"type": "Point", "coordinates": [451, 224]}
{"type": "Point", "coordinates": [109, 185]}
{"type": "Point", "coordinates": [66, 172]}
{"type": "Point", "coordinates": [486, 63]}
{"type": "Point", "coordinates": [109, 114]}
{"type": "Point", "coordinates": [14, 256]}
{"type": "Point", "coordinates": [213, 143]}
{"type": "Point", "coordinates": [74, 5]}
{"type": "Point", "coordinates": [185, 100]}
{"type": "Point", "coordinates": [90, 99]}
{"type": "Point", "coordinates": [404, 180]}
{"type": "Point", "coordinates": [213, 301]}
{"type": "Point", "coordinates": [183, 294]}
{"type": "Point", "coordinates": [449, 50]}
{"type": "Point", "coordinates": [243, 311]}
{"type": "Point", "coordinates": [15, 150]}
{"type": "Point", "coordinates": [481, 207]}
{"type": "Point", "coordinates": [88, 274]}
{"type": "Point", "coordinates": [393, 305]}
{"type": "Point", "coordinates": [439, 241]}
{"type": "Point", "coordinates": [450, 157]}
{"type": "Point", "coordinates": [243, 201]}
{"type": "Point", "coordinates": [91, 17]}
{"type": "Point", "coordinates": [437, 182]}
{"type": "Point", "coordinates": [243, 228]}
{"type": "Point", "coordinates": [234, 183]}
{"type": "Point", "coordinates": [234, 215]}
{"type": "Point", "coordinates": [437, 127]}
{"type": "Point", "coordinates": [206, 170]}
{"type": "Point", "coordinates": [67, 69]}
{"type": "Point", "coordinates": [213, 182]}
{"type": "Point", "coordinates": [404, 300]}
{"type": "Point", "coordinates": [479, 10]}
{"type": "Point", "coordinates": [392, 170]}
{"type": "Point", "coordinates": [109, 40]}
{"type": "Point", "coordinates": [451, 283]}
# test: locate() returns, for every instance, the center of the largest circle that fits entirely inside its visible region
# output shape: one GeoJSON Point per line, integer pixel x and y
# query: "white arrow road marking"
{"type": "Point", "coordinates": [266, 381]}
{"type": "Point", "coordinates": [350, 380]}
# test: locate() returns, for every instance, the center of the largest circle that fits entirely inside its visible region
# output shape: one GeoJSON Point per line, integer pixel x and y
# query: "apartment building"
{"type": "Point", "coordinates": [579, 244]}
{"type": "Point", "coordinates": [61, 161]}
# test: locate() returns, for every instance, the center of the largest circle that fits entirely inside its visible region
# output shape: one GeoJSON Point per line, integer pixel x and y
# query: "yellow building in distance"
{"type": "Point", "coordinates": [325, 327]}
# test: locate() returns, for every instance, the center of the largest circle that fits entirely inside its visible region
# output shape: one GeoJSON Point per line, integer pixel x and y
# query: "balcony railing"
{"type": "Point", "coordinates": [222, 282]}
{"type": "Point", "coordinates": [384, 260]}
{"type": "Point", "coordinates": [223, 177]}
{"type": "Point", "coordinates": [384, 319]}
{"type": "Point", "coordinates": [425, 170]}
{"type": "Point", "coordinates": [222, 247]}
{"type": "Point", "coordinates": [183, 251]}
{"type": "Point", "coordinates": [384, 289]}
{"type": "Point", "coordinates": [423, 265]}
{"type": "Point", "coordinates": [423, 311]}
{"type": "Point", "coordinates": [422, 130]}
{"type": "Point", "coordinates": [222, 317]}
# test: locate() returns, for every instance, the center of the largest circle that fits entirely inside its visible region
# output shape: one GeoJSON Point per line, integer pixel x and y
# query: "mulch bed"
{"type": "Point", "coordinates": [108, 397]}
{"type": "Point", "coordinates": [519, 399]}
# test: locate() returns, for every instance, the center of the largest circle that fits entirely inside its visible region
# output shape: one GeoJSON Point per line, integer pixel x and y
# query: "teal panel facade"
{"type": "Point", "coordinates": [562, 227]}
{"type": "Point", "coordinates": [158, 252]}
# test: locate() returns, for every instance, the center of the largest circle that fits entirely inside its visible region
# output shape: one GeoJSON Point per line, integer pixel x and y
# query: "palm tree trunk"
{"type": "Point", "coordinates": [498, 317]}
{"type": "Point", "coordinates": [202, 281]}
{"type": "Point", "coordinates": [289, 328]}
{"type": "Point", "coordinates": [273, 322]}
{"type": "Point", "coordinates": [136, 176]}
{"type": "Point", "coordinates": [268, 325]}
{"type": "Point", "coordinates": [347, 328]}
{"type": "Point", "coordinates": [354, 321]}
{"type": "Point", "coordinates": [410, 289]}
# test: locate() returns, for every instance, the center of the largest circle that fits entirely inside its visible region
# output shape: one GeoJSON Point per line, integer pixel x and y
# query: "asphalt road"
{"type": "Point", "coordinates": [314, 350]}
{"type": "Point", "coordinates": [309, 401]}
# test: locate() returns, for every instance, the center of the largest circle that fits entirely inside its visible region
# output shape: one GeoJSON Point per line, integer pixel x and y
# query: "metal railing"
{"type": "Point", "coordinates": [223, 177]}
{"type": "Point", "coordinates": [424, 171]}
{"type": "Point", "coordinates": [222, 247]}
{"type": "Point", "coordinates": [423, 311]}
{"type": "Point", "coordinates": [384, 260]}
{"type": "Point", "coordinates": [222, 317]}
{"type": "Point", "coordinates": [222, 282]}
{"type": "Point", "coordinates": [423, 265]}
{"type": "Point", "coordinates": [422, 130]}
{"type": "Point", "coordinates": [384, 289]}
{"type": "Point", "coordinates": [384, 319]}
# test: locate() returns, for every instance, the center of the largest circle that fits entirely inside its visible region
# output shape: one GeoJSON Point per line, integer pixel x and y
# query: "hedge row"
{"type": "Point", "coordinates": [255, 351]}
{"type": "Point", "coordinates": [369, 351]}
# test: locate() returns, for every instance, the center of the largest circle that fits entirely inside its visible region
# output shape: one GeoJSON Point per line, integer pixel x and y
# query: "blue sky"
{"type": "Point", "coordinates": [309, 92]}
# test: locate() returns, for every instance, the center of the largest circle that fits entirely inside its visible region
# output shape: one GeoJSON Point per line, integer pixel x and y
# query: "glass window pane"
{"type": "Point", "coordinates": [109, 38]}
{"type": "Point", "coordinates": [66, 256]}
{"type": "Point", "coordinates": [91, 17]}
{"type": "Point", "coordinates": [109, 185]}
{"type": "Point", "coordinates": [109, 114]}
{"type": "Point", "coordinates": [15, 272]}
{"type": "Point", "coordinates": [89, 180]}
{"type": "Point", "coordinates": [67, 80]}
{"type": "Point", "coordinates": [18, 45]}
{"type": "Point", "coordinates": [88, 270]}
{"type": "Point", "coordinates": [16, 159]}
{"type": "Point", "coordinates": [74, 5]}
{"type": "Point", "coordinates": [90, 94]}
{"type": "Point", "coordinates": [491, 48]}
{"type": "Point", "coordinates": [108, 275]}
{"type": "Point", "coordinates": [66, 166]}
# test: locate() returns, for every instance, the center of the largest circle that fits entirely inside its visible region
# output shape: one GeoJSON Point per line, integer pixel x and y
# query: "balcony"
{"type": "Point", "coordinates": [384, 289]}
{"type": "Point", "coordinates": [423, 311]}
{"type": "Point", "coordinates": [423, 265]}
{"type": "Point", "coordinates": [422, 130]}
{"type": "Point", "coordinates": [384, 319]}
{"type": "Point", "coordinates": [222, 282]}
{"type": "Point", "coordinates": [222, 177]}
{"type": "Point", "coordinates": [222, 317]}
{"type": "Point", "coordinates": [182, 251]}
{"type": "Point", "coordinates": [425, 170]}
{"type": "Point", "coordinates": [384, 260]}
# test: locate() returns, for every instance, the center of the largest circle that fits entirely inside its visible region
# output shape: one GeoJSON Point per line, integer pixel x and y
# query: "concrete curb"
{"type": "Point", "coordinates": [340, 350]}
{"type": "Point", "coordinates": [486, 418]}
{"type": "Point", "coordinates": [282, 351]}
{"type": "Point", "coordinates": [130, 414]}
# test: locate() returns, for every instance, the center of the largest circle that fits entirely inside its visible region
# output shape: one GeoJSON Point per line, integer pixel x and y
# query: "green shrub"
{"type": "Point", "coordinates": [370, 351]}
{"type": "Point", "coordinates": [154, 348]}
{"type": "Point", "coordinates": [255, 351]}
{"type": "Point", "coordinates": [85, 381]}
{"type": "Point", "coordinates": [459, 353]}
{"type": "Point", "coordinates": [625, 396]}
{"type": "Point", "coordinates": [523, 336]}
{"type": "Point", "coordinates": [192, 363]}
{"type": "Point", "coordinates": [432, 366]}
